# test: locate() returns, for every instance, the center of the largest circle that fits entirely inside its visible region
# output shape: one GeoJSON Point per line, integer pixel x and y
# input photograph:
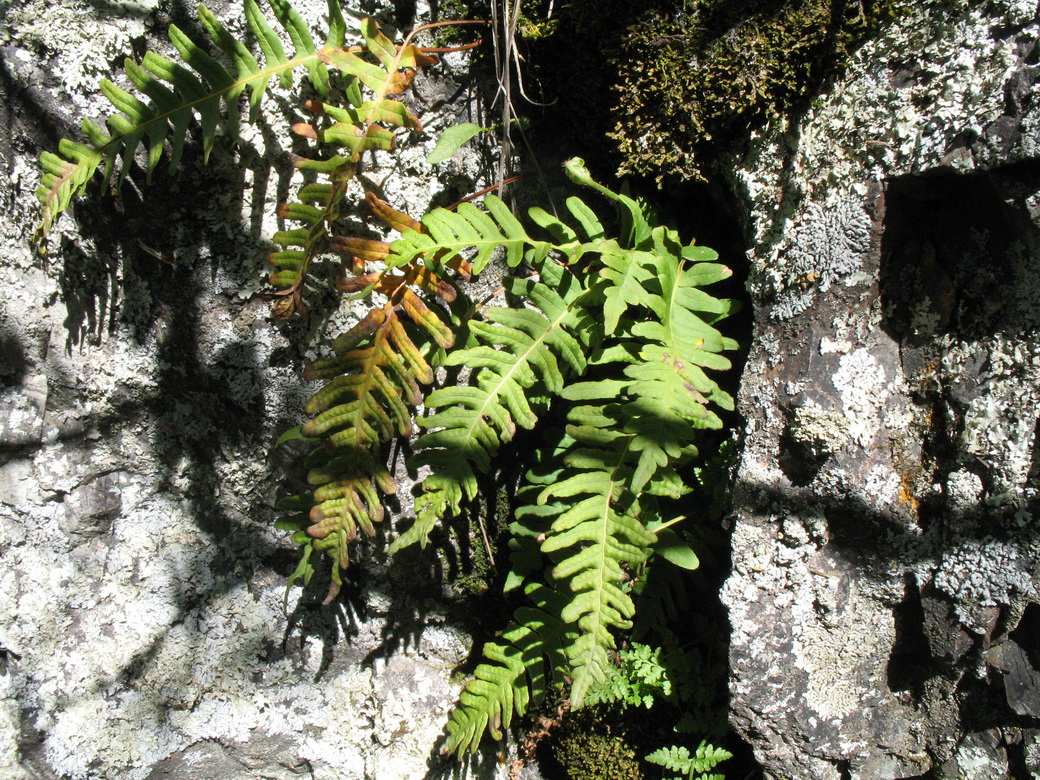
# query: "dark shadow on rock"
{"type": "Point", "coordinates": [13, 360]}
{"type": "Point", "coordinates": [90, 290]}
{"type": "Point", "coordinates": [959, 256]}
{"type": "Point", "coordinates": [330, 624]}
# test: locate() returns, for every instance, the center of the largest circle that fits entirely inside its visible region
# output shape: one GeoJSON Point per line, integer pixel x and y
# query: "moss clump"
{"type": "Point", "coordinates": [715, 70]}
{"type": "Point", "coordinates": [589, 749]}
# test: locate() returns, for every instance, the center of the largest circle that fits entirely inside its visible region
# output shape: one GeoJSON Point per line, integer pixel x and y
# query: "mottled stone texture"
{"type": "Point", "coordinates": [886, 541]}
{"type": "Point", "coordinates": [145, 630]}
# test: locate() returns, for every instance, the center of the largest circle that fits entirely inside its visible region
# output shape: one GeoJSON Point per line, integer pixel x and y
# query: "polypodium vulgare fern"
{"type": "Point", "coordinates": [616, 330]}
{"type": "Point", "coordinates": [372, 386]}
{"type": "Point", "coordinates": [650, 397]}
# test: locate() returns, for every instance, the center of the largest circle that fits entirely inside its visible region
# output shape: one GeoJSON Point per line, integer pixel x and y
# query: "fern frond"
{"type": "Point", "coordinates": [318, 205]}
{"type": "Point", "coordinates": [364, 126]}
{"type": "Point", "coordinates": [518, 672]}
{"type": "Point", "coordinates": [691, 765]}
{"type": "Point", "coordinates": [630, 427]}
{"type": "Point", "coordinates": [372, 386]}
{"type": "Point", "coordinates": [597, 530]}
{"type": "Point", "coordinates": [467, 425]}
{"type": "Point", "coordinates": [172, 94]}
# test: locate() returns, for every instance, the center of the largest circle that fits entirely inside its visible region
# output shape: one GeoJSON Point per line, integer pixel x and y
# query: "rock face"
{"type": "Point", "coordinates": [145, 630]}
{"type": "Point", "coordinates": [886, 541]}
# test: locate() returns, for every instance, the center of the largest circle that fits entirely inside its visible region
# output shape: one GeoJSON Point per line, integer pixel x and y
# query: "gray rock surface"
{"type": "Point", "coordinates": [145, 630]}
{"type": "Point", "coordinates": [886, 552]}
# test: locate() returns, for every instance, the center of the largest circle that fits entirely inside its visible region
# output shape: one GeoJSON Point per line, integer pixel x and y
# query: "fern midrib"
{"type": "Point", "coordinates": [595, 618]}
{"type": "Point", "coordinates": [605, 536]}
{"type": "Point", "coordinates": [504, 378]}
{"type": "Point", "coordinates": [673, 337]}
{"type": "Point", "coordinates": [317, 231]}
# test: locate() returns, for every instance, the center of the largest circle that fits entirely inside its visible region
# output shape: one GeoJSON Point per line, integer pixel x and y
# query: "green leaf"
{"type": "Point", "coordinates": [517, 674]}
{"type": "Point", "coordinates": [467, 425]}
{"type": "Point", "coordinates": [451, 141]}
{"type": "Point", "coordinates": [293, 434]}
{"type": "Point", "coordinates": [673, 549]}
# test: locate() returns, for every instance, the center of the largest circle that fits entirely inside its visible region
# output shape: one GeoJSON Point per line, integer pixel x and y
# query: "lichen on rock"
{"type": "Point", "coordinates": [918, 163]}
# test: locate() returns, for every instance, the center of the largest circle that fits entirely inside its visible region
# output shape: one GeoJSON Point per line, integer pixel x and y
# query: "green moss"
{"type": "Point", "coordinates": [715, 71]}
{"type": "Point", "coordinates": [588, 749]}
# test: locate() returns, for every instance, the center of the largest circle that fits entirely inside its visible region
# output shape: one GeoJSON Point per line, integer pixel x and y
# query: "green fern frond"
{"type": "Point", "coordinates": [173, 94]}
{"type": "Point", "coordinates": [630, 427]}
{"type": "Point", "coordinates": [518, 672]}
{"type": "Point", "coordinates": [597, 531]}
{"type": "Point", "coordinates": [467, 425]}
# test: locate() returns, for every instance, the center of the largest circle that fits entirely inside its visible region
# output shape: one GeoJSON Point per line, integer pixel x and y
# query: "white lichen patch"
{"type": "Point", "coordinates": [81, 42]}
{"type": "Point", "coordinates": [882, 487]}
{"type": "Point", "coordinates": [824, 432]}
{"type": "Point", "coordinates": [826, 245]}
{"type": "Point", "coordinates": [985, 573]}
{"type": "Point", "coordinates": [862, 386]}
{"type": "Point", "coordinates": [835, 655]}
{"type": "Point", "coordinates": [998, 426]}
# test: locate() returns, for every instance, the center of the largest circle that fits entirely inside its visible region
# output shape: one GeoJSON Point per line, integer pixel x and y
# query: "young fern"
{"type": "Point", "coordinates": [691, 766]}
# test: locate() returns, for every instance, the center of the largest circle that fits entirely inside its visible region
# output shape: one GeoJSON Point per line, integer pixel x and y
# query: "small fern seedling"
{"type": "Point", "coordinates": [697, 765]}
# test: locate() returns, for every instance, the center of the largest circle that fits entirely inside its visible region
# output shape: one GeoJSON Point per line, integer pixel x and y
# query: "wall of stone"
{"type": "Point", "coordinates": [145, 628]}
{"type": "Point", "coordinates": [883, 598]}
{"type": "Point", "coordinates": [886, 554]}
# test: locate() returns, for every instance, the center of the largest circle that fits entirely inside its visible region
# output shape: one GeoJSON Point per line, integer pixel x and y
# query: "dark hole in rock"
{"type": "Point", "coordinates": [909, 661]}
{"type": "Point", "coordinates": [959, 254]}
{"type": "Point", "coordinates": [799, 460]}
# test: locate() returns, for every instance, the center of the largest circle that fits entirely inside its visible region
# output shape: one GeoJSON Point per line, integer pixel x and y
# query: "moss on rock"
{"type": "Point", "coordinates": [714, 70]}
{"type": "Point", "coordinates": [589, 747]}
